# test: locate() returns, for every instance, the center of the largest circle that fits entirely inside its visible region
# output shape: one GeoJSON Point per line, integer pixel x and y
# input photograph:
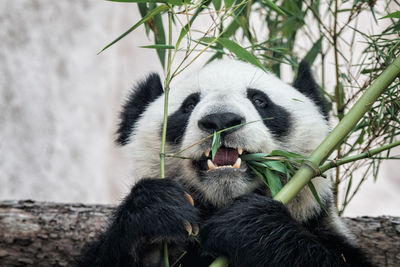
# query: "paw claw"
{"type": "Point", "coordinates": [188, 227]}
{"type": "Point", "coordinates": [189, 198]}
{"type": "Point", "coordinates": [195, 230]}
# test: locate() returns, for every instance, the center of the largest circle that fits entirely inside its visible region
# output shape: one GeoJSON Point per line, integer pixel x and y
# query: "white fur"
{"type": "Point", "coordinates": [222, 86]}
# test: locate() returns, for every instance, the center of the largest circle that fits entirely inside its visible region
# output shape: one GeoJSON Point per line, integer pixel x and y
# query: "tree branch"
{"type": "Point", "coordinates": [52, 234]}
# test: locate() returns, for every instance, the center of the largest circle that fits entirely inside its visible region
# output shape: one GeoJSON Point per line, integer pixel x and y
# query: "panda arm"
{"type": "Point", "coordinates": [155, 211]}
{"type": "Point", "coordinates": [259, 231]}
{"type": "Point", "coordinates": [326, 229]}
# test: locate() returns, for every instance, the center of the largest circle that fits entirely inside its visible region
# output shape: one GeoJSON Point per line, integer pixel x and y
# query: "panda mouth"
{"type": "Point", "coordinates": [225, 158]}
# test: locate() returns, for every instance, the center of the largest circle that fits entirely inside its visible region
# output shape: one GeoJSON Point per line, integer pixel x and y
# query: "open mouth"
{"type": "Point", "coordinates": [225, 158]}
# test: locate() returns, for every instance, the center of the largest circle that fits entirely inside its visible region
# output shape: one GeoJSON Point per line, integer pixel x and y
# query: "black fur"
{"type": "Point", "coordinates": [306, 84]}
{"type": "Point", "coordinates": [263, 233]}
{"type": "Point", "coordinates": [154, 211]}
{"type": "Point", "coordinates": [254, 231]}
{"type": "Point", "coordinates": [275, 117]}
{"type": "Point", "coordinates": [218, 121]}
{"type": "Point", "coordinates": [177, 122]}
{"type": "Point", "coordinates": [142, 95]}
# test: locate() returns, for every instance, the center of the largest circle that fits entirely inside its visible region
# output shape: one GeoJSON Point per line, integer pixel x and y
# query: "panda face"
{"type": "Point", "coordinates": [224, 94]}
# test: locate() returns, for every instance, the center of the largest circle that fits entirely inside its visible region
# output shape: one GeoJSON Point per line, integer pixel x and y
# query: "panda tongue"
{"type": "Point", "coordinates": [225, 156]}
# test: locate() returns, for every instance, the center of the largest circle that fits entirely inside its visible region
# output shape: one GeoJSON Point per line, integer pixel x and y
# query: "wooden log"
{"type": "Point", "coordinates": [52, 234]}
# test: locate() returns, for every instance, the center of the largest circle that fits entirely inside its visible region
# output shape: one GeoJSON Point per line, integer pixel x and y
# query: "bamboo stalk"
{"type": "Point", "coordinates": [165, 119]}
{"type": "Point", "coordinates": [367, 154]}
{"type": "Point", "coordinates": [305, 173]}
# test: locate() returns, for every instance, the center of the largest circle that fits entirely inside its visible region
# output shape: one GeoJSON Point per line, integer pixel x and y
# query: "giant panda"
{"type": "Point", "coordinates": [206, 208]}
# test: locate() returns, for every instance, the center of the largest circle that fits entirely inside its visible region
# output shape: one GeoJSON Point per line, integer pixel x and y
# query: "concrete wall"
{"type": "Point", "coordinates": [59, 101]}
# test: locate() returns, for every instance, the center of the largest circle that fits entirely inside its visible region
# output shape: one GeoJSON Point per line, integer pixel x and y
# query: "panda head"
{"type": "Point", "coordinates": [221, 95]}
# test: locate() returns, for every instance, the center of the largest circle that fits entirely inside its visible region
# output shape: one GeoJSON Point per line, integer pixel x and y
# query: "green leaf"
{"type": "Point", "coordinates": [316, 196]}
{"type": "Point", "coordinates": [348, 190]}
{"type": "Point", "coordinates": [143, 10]}
{"type": "Point", "coordinates": [159, 34]}
{"type": "Point", "coordinates": [231, 28]}
{"type": "Point", "coordinates": [158, 46]}
{"type": "Point", "coordinates": [259, 174]}
{"type": "Point", "coordinates": [172, 2]}
{"type": "Point", "coordinates": [274, 182]}
{"type": "Point", "coordinates": [215, 144]}
{"type": "Point", "coordinates": [254, 156]}
{"type": "Point", "coordinates": [286, 154]}
{"type": "Point", "coordinates": [239, 51]}
{"type": "Point", "coordinates": [259, 164]}
{"type": "Point", "coordinates": [156, 11]}
{"type": "Point", "coordinates": [182, 34]}
{"type": "Point", "coordinates": [217, 4]}
{"type": "Point", "coordinates": [274, 7]}
{"type": "Point", "coordinates": [276, 166]}
{"type": "Point", "coordinates": [314, 51]}
{"type": "Point", "coordinates": [395, 15]}
{"type": "Point", "coordinates": [228, 3]}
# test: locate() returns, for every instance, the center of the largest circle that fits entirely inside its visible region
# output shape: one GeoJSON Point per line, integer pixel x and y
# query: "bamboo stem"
{"type": "Point", "coordinates": [367, 154]}
{"type": "Point", "coordinates": [165, 119]}
{"type": "Point", "coordinates": [305, 173]}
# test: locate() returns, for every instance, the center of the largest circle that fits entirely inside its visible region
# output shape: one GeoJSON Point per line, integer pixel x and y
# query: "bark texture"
{"type": "Point", "coordinates": [51, 234]}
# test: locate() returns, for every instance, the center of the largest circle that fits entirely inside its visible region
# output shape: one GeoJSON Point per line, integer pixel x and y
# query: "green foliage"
{"type": "Point", "coordinates": [239, 51]}
{"type": "Point", "coordinates": [392, 15]}
{"type": "Point", "coordinates": [215, 144]}
{"type": "Point", "coordinates": [272, 34]}
{"type": "Point", "coordinates": [320, 32]}
{"type": "Point", "coordinates": [146, 18]}
{"type": "Point", "coordinates": [274, 168]}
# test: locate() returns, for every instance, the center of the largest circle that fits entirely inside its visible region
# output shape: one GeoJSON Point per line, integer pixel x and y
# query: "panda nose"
{"type": "Point", "coordinates": [219, 121]}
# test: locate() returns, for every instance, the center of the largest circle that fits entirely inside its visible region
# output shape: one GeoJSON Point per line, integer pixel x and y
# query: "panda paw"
{"type": "Point", "coordinates": [154, 212]}
{"type": "Point", "coordinates": [160, 209]}
{"type": "Point", "coordinates": [240, 229]}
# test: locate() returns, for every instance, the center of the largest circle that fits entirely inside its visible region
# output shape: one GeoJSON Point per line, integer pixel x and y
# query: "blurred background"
{"type": "Point", "coordinates": [59, 104]}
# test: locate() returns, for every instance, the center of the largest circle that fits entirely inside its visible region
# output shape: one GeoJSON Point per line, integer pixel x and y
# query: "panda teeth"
{"type": "Point", "coordinates": [237, 164]}
{"type": "Point", "coordinates": [211, 165]}
{"type": "Point", "coordinates": [207, 153]}
{"type": "Point", "coordinates": [240, 150]}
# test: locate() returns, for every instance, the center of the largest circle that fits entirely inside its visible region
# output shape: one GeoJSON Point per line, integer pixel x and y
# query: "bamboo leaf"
{"type": "Point", "coordinates": [217, 4]}
{"type": "Point", "coordinates": [254, 156]}
{"type": "Point", "coordinates": [316, 196]}
{"type": "Point", "coordinates": [274, 7]}
{"type": "Point", "coordinates": [395, 15]}
{"type": "Point", "coordinates": [215, 144]}
{"type": "Point", "coordinates": [158, 46]}
{"type": "Point", "coordinates": [346, 197]}
{"type": "Point", "coordinates": [286, 154]}
{"type": "Point", "coordinates": [313, 52]}
{"type": "Point", "coordinates": [239, 51]}
{"type": "Point", "coordinates": [172, 2]}
{"type": "Point", "coordinates": [228, 3]}
{"type": "Point", "coordinates": [143, 10]}
{"type": "Point", "coordinates": [276, 166]}
{"type": "Point", "coordinates": [274, 182]}
{"type": "Point", "coordinates": [259, 174]}
{"type": "Point", "coordinates": [156, 11]}
{"type": "Point", "coordinates": [159, 35]}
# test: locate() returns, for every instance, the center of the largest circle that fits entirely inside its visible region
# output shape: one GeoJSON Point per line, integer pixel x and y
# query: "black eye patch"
{"type": "Point", "coordinates": [177, 122]}
{"type": "Point", "coordinates": [276, 118]}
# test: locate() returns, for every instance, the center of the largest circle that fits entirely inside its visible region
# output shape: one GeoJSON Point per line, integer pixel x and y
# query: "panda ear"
{"type": "Point", "coordinates": [138, 100]}
{"type": "Point", "coordinates": [306, 84]}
